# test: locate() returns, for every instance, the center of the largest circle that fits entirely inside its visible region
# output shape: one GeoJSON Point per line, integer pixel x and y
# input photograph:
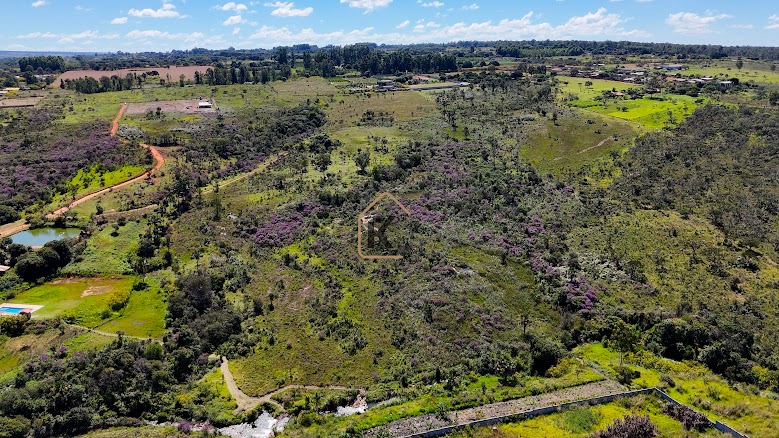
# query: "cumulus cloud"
{"type": "Point", "coordinates": [403, 24]}
{"type": "Point", "coordinates": [368, 5]}
{"type": "Point", "coordinates": [594, 24]}
{"type": "Point", "coordinates": [158, 34]}
{"type": "Point", "coordinates": [38, 4]}
{"type": "Point", "coordinates": [690, 23]}
{"type": "Point", "coordinates": [87, 34]}
{"type": "Point", "coordinates": [773, 22]}
{"type": "Point", "coordinates": [119, 20]}
{"type": "Point", "coordinates": [232, 6]}
{"type": "Point", "coordinates": [233, 20]}
{"type": "Point", "coordinates": [287, 9]}
{"type": "Point", "coordinates": [433, 4]}
{"type": "Point", "coordinates": [168, 10]}
{"type": "Point", "coordinates": [471, 7]}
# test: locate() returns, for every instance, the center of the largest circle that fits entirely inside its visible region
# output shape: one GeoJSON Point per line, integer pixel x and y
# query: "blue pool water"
{"type": "Point", "coordinates": [15, 310]}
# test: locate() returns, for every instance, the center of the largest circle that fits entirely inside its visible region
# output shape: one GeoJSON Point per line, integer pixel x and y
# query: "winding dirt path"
{"type": "Point", "coordinates": [15, 227]}
{"type": "Point", "coordinates": [247, 403]}
{"type": "Point", "coordinates": [158, 158]}
{"type": "Point", "coordinates": [585, 150]}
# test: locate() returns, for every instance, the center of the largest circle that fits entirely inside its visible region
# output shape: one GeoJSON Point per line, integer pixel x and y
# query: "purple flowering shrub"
{"type": "Point", "coordinates": [37, 163]}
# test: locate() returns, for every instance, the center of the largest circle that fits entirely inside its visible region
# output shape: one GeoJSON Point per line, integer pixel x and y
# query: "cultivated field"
{"type": "Point", "coordinates": [174, 72]}
{"type": "Point", "coordinates": [19, 102]}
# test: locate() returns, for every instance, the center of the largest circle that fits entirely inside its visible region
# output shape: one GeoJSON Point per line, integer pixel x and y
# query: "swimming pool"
{"type": "Point", "coordinates": [12, 310]}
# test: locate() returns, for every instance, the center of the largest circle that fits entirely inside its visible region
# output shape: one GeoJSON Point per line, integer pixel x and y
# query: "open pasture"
{"type": "Point", "coordinates": [83, 301]}
{"type": "Point", "coordinates": [185, 106]}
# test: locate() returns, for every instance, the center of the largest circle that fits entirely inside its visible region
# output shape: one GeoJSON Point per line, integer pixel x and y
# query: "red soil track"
{"type": "Point", "coordinates": [158, 158]}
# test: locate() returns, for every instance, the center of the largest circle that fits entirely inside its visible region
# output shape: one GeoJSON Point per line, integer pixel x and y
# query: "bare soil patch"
{"type": "Point", "coordinates": [187, 106]}
{"type": "Point", "coordinates": [95, 290]}
{"type": "Point", "coordinates": [174, 72]}
{"type": "Point", "coordinates": [16, 102]}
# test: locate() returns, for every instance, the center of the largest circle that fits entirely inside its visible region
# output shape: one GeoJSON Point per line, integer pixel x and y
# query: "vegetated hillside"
{"type": "Point", "coordinates": [41, 155]}
{"type": "Point", "coordinates": [721, 163]}
{"type": "Point", "coordinates": [698, 275]}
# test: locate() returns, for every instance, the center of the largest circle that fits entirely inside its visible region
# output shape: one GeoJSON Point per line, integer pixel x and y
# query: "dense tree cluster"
{"type": "Point", "coordinates": [48, 64]}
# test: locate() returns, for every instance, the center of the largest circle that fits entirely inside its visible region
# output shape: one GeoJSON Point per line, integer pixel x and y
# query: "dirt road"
{"type": "Point", "coordinates": [246, 403]}
{"type": "Point", "coordinates": [15, 227]}
{"type": "Point", "coordinates": [158, 159]}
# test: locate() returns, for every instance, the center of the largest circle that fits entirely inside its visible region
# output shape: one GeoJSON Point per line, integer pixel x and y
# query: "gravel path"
{"type": "Point", "coordinates": [422, 423]}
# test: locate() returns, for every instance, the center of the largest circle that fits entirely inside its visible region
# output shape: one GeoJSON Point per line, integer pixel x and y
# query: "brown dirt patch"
{"type": "Point", "coordinates": [174, 72]}
{"type": "Point", "coordinates": [95, 290]}
{"type": "Point", "coordinates": [188, 106]}
{"type": "Point", "coordinates": [19, 102]}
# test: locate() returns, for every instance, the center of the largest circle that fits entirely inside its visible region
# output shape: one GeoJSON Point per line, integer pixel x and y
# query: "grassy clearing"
{"type": "Point", "coordinates": [144, 315]}
{"type": "Point", "coordinates": [758, 72]}
{"type": "Point", "coordinates": [107, 254]}
{"type": "Point", "coordinates": [694, 385]}
{"type": "Point", "coordinates": [571, 143]}
{"type": "Point", "coordinates": [83, 301]}
{"type": "Point", "coordinates": [653, 112]}
{"type": "Point", "coordinates": [137, 432]}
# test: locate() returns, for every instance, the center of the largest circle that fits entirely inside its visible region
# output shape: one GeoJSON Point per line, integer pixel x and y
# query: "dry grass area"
{"type": "Point", "coordinates": [174, 72]}
{"type": "Point", "coordinates": [185, 106]}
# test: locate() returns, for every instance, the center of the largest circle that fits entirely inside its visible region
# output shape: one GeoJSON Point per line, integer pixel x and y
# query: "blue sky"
{"type": "Point", "coordinates": [161, 25]}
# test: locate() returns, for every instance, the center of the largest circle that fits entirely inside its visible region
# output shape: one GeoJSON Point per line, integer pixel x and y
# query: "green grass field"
{"type": "Point", "coordinates": [144, 315]}
{"type": "Point", "coordinates": [759, 72]}
{"type": "Point", "coordinates": [653, 112]}
{"type": "Point", "coordinates": [107, 254]}
{"type": "Point", "coordinates": [84, 301]}
{"type": "Point", "coordinates": [739, 407]}
{"type": "Point", "coordinates": [571, 143]}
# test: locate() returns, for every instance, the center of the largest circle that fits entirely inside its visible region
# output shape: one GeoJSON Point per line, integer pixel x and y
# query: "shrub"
{"type": "Point", "coordinates": [690, 419]}
{"type": "Point", "coordinates": [630, 426]}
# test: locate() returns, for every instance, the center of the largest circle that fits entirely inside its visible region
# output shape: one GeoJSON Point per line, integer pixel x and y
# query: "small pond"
{"type": "Point", "coordinates": [40, 236]}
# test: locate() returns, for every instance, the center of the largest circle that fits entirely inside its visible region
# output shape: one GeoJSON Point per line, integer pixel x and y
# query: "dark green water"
{"type": "Point", "coordinates": [39, 236]}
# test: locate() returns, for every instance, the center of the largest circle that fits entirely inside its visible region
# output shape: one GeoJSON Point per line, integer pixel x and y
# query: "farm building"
{"type": "Point", "coordinates": [204, 104]}
{"type": "Point", "coordinates": [672, 67]}
{"type": "Point", "coordinates": [4, 269]}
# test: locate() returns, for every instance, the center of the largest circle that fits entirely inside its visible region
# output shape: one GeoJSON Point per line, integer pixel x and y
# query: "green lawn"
{"type": "Point", "coordinates": [144, 315]}
{"type": "Point", "coordinates": [83, 301]}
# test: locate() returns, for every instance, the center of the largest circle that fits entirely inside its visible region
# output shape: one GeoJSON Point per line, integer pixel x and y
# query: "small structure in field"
{"type": "Point", "coordinates": [4, 269]}
{"type": "Point", "coordinates": [203, 104]}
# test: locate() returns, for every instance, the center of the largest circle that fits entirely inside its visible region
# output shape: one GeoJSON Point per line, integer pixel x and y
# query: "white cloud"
{"type": "Point", "coordinates": [233, 20]}
{"type": "Point", "coordinates": [594, 24]}
{"type": "Point", "coordinates": [743, 26]}
{"type": "Point", "coordinates": [471, 7]}
{"type": "Point", "coordinates": [38, 3]}
{"type": "Point", "coordinates": [65, 41]}
{"type": "Point", "coordinates": [287, 9]}
{"type": "Point", "coordinates": [368, 5]}
{"type": "Point", "coordinates": [433, 4]}
{"type": "Point", "coordinates": [168, 10]}
{"type": "Point", "coordinates": [194, 37]}
{"type": "Point", "coordinates": [236, 30]}
{"type": "Point", "coordinates": [690, 23]}
{"type": "Point", "coordinates": [232, 6]}
{"type": "Point", "coordinates": [773, 22]}
{"type": "Point", "coordinates": [119, 20]}
{"type": "Point", "coordinates": [87, 34]}
{"type": "Point", "coordinates": [403, 24]}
